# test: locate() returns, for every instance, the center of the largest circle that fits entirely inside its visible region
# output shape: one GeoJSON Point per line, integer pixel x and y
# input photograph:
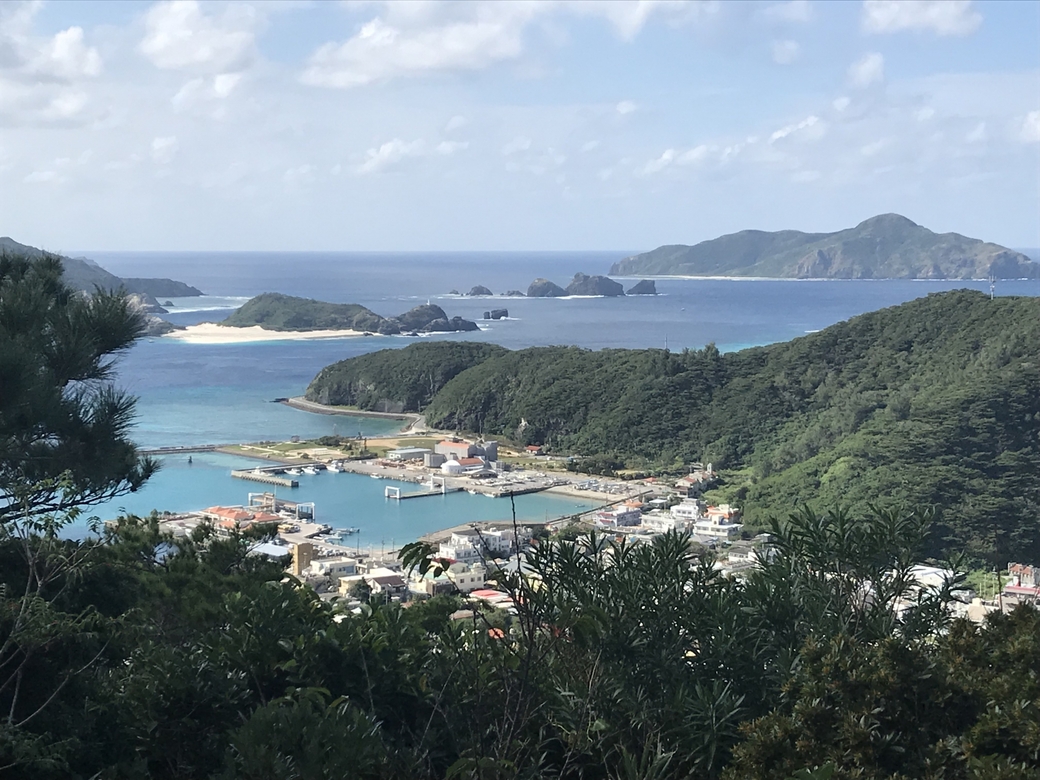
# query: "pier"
{"type": "Point", "coordinates": [395, 493]}
{"type": "Point", "coordinates": [266, 477]}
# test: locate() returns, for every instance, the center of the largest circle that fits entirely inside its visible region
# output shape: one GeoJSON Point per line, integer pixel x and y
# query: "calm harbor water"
{"type": "Point", "coordinates": [207, 394]}
{"type": "Point", "coordinates": [341, 500]}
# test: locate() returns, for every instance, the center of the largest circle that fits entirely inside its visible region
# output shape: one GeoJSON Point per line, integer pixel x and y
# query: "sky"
{"type": "Point", "coordinates": [491, 125]}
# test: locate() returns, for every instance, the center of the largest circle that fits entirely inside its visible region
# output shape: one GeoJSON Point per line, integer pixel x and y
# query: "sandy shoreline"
{"type": "Point", "coordinates": [215, 333]}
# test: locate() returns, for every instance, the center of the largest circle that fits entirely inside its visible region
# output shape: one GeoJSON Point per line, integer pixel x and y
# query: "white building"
{"type": "Point", "coordinates": [616, 517]}
{"type": "Point", "coordinates": [663, 522]}
{"type": "Point", "coordinates": [719, 522]}
{"type": "Point", "coordinates": [689, 510]}
{"type": "Point", "coordinates": [339, 566]}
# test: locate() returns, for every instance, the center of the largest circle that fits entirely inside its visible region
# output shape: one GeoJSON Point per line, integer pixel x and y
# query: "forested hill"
{"type": "Point", "coordinates": [275, 311]}
{"type": "Point", "coordinates": [936, 401]}
{"type": "Point", "coordinates": [888, 246]}
{"type": "Point", "coordinates": [83, 274]}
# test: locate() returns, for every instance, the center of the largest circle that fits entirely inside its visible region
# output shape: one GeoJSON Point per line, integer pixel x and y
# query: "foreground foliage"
{"type": "Point", "coordinates": [932, 403]}
{"type": "Point", "coordinates": [189, 658]}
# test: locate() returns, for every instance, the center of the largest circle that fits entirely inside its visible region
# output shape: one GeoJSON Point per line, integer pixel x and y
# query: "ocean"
{"type": "Point", "coordinates": [211, 394]}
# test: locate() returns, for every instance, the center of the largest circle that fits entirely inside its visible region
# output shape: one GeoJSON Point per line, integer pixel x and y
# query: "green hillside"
{"type": "Point", "coordinates": [275, 311]}
{"type": "Point", "coordinates": [884, 247]}
{"type": "Point", "coordinates": [86, 275]}
{"type": "Point", "coordinates": [936, 401]}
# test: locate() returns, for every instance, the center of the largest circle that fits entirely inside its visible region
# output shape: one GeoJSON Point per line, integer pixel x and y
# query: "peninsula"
{"type": "Point", "coordinates": [934, 402]}
{"type": "Point", "coordinates": [888, 246]}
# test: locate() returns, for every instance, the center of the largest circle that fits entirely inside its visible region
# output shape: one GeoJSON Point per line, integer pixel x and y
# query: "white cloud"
{"type": "Point", "coordinates": [811, 121]}
{"type": "Point", "coordinates": [1030, 132]}
{"type": "Point", "coordinates": [179, 36]}
{"type": "Point", "coordinates": [629, 17]}
{"type": "Point", "coordinates": [977, 135]}
{"type": "Point", "coordinates": [804, 177]}
{"type": "Point", "coordinates": [519, 144]}
{"type": "Point", "coordinates": [785, 52]}
{"type": "Point", "coordinates": [924, 114]}
{"type": "Point", "coordinates": [206, 89]}
{"type": "Point", "coordinates": [943, 17]}
{"type": "Point", "coordinates": [382, 51]}
{"type": "Point", "coordinates": [588, 146]}
{"type": "Point", "coordinates": [695, 155]}
{"type": "Point", "coordinates": [164, 149]}
{"type": "Point", "coordinates": [658, 164]}
{"type": "Point", "coordinates": [66, 57]}
{"type": "Point", "coordinates": [450, 147]}
{"type": "Point", "coordinates": [868, 70]}
{"type": "Point", "coordinates": [301, 174]}
{"type": "Point", "coordinates": [793, 11]}
{"type": "Point", "coordinates": [417, 39]}
{"type": "Point", "coordinates": [390, 153]}
{"type": "Point", "coordinates": [40, 76]}
{"type": "Point", "coordinates": [625, 107]}
{"type": "Point", "coordinates": [840, 104]}
{"type": "Point", "coordinates": [456, 123]}
{"type": "Point", "coordinates": [869, 150]}
{"type": "Point", "coordinates": [44, 177]}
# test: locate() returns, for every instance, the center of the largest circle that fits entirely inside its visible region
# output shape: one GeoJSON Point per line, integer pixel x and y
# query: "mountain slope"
{"type": "Point", "coordinates": [86, 275]}
{"type": "Point", "coordinates": [934, 402]}
{"type": "Point", "coordinates": [884, 247]}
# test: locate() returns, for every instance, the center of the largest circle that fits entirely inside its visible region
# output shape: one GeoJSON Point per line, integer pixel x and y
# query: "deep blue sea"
{"type": "Point", "coordinates": [200, 394]}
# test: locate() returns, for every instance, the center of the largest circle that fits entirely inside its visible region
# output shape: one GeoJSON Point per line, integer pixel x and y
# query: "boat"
{"type": "Point", "coordinates": [375, 476]}
{"type": "Point", "coordinates": [294, 472]}
{"type": "Point", "coordinates": [335, 468]}
{"type": "Point", "coordinates": [310, 470]}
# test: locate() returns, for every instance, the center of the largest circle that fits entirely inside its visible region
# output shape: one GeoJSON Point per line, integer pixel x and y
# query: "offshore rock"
{"type": "Point", "coordinates": [480, 290]}
{"type": "Point", "coordinates": [543, 288]}
{"type": "Point", "coordinates": [643, 287]}
{"type": "Point", "coordinates": [583, 284]}
{"type": "Point", "coordinates": [454, 325]}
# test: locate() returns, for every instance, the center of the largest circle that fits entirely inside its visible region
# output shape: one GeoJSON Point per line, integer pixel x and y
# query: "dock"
{"type": "Point", "coordinates": [395, 492]}
{"type": "Point", "coordinates": [265, 477]}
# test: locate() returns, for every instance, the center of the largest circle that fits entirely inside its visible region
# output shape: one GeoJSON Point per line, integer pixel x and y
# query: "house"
{"type": "Point", "coordinates": [719, 522]}
{"type": "Point", "coordinates": [335, 567]}
{"type": "Point", "coordinates": [662, 522]}
{"type": "Point", "coordinates": [390, 585]}
{"type": "Point", "coordinates": [1024, 583]}
{"type": "Point", "coordinates": [451, 468]}
{"type": "Point", "coordinates": [227, 518]}
{"type": "Point", "coordinates": [689, 510]}
{"type": "Point", "coordinates": [533, 449]}
{"type": "Point", "coordinates": [467, 577]}
{"type": "Point", "coordinates": [617, 516]}
{"type": "Point", "coordinates": [462, 546]}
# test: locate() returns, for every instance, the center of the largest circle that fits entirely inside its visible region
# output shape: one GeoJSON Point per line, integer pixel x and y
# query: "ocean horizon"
{"type": "Point", "coordinates": [195, 394]}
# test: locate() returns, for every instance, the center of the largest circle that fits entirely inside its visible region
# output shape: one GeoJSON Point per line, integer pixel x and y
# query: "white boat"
{"type": "Point", "coordinates": [310, 470]}
{"type": "Point", "coordinates": [294, 472]}
{"type": "Point", "coordinates": [334, 468]}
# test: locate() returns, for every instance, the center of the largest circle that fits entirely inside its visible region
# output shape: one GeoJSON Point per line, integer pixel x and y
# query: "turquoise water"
{"type": "Point", "coordinates": [341, 500]}
{"type": "Point", "coordinates": [191, 394]}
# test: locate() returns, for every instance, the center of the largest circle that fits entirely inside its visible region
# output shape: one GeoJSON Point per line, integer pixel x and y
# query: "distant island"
{"type": "Point", "coordinates": [287, 313]}
{"type": "Point", "coordinates": [888, 246]}
{"type": "Point", "coordinates": [84, 274]}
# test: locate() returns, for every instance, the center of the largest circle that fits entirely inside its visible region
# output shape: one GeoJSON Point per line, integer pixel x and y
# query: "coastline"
{"type": "Point", "coordinates": [301, 403]}
{"type": "Point", "coordinates": [215, 333]}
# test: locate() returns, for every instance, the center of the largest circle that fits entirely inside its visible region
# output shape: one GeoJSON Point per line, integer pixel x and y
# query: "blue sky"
{"type": "Point", "coordinates": [497, 125]}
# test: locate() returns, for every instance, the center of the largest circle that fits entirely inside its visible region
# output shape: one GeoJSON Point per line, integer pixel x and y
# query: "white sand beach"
{"type": "Point", "coordinates": [215, 333]}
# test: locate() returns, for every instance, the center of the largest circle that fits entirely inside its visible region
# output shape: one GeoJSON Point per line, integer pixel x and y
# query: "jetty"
{"type": "Point", "coordinates": [267, 477]}
{"type": "Point", "coordinates": [394, 492]}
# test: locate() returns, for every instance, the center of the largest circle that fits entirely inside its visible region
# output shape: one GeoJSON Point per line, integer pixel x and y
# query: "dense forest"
{"type": "Point", "coordinates": [935, 402]}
